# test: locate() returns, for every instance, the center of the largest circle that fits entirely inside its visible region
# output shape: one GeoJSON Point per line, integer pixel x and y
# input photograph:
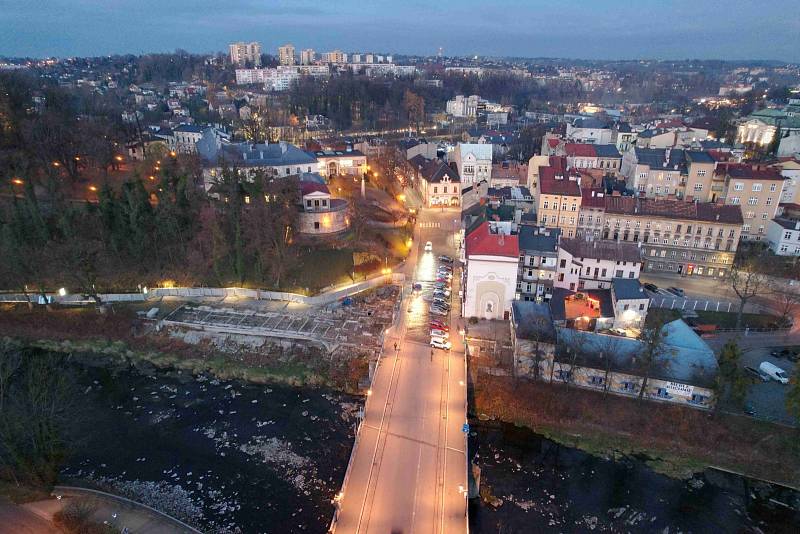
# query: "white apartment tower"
{"type": "Point", "coordinates": [286, 54]}
{"type": "Point", "coordinates": [307, 56]}
{"type": "Point", "coordinates": [242, 53]}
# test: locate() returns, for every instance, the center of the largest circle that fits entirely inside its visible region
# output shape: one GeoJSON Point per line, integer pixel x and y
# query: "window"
{"type": "Point", "coordinates": [772, 188]}
{"type": "Point", "coordinates": [625, 307]}
{"type": "Point", "coordinates": [308, 203]}
{"type": "Point", "coordinates": [641, 307]}
{"type": "Point", "coordinates": [662, 393]}
{"type": "Point", "coordinates": [596, 380]}
{"type": "Point", "coordinates": [701, 172]}
{"type": "Point", "coordinates": [745, 228]}
{"type": "Point", "coordinates": [750, 214]}
{"type": "Point", "coordinates": [735, 201]}
{"type": "Point", "coordinates": [738, 186]}
{"type": "Point", "coordinates": [561, 374]}
{"type": "Point", "coordinates": [619, 273]}
{"type": "Point", "coordinates": [563, 263]}
{"type": "Point", "coordinates": [752, 201]}
{"type": "Point", "coordinates": [764, 216]}
{"type": "Point", "coordinates": [643, 176]}
{"type": "Point", "coordinates": [698, 187]}
{"type": "Point", "coordinates": [642, 188]}
{"type": "Point", "coordinates": [769, 201]}
{"type": "Point", "coordinates": [546, 205]}
{"type": "Point", "coordinates": [698, 399]}
{"type": "Point", "coordinates": [469, 169]}
{"type": "Point", "coordinates": [756, 188]}
{"type": "Point", "coordinates": [435, 190]}
{"type": "Point", "coordinates": [628, 387]}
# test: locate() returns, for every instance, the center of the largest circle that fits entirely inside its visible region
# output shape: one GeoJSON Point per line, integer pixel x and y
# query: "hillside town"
{"type": "Point", "coordinates": [603, 252]}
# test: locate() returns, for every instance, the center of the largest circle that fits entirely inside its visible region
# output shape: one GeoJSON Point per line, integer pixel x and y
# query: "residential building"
{"type": "Point", "coordinates": [336, 57]}
{"type": "Point", "coordinates": [558, 199]}
{"type": "Point", "coordinates": [687, 238]}
{"type": "Point", "coordinates": [286, 55]}
{"type": "Point", "coordinates": [757, 189]}
{"type": "Point", "coordinates": [790, 169]}
{"type": "Point", "coordinates": [538, 261]}
{"type": "Point", "coordinates": [509, 174]}
{"type": "Point", "coordinates": [490, 273]}
{"type": "Point", "coordinates": [623, 137]}
{"type": "Point", "coordinates": [464, 107]}
{"type": "Point", "coordinates": [631, 303]}
{"type": "Point", "coordinates": [783, 236]}
{"type": "Point", "coordinates": [474, 163]}
{"type": "Point", "coordinates": [669, 172]}
{"type": "Point", "coordinates": [584, 264]}
{"type": "Point", "coordinates": [438, 183]}
{"type": "Point", "coordinates": [593, 156]}
{"type": "Point", "coordinates": [590, 130]}
{"type": "Point", "coordinates": [308, 56]}
{"type": "Point", "coordinates": [243, 54]}
{"type": "Point", "coordinates": [186, 137]}
{"type": "Point", "coordinates": [274, 159]}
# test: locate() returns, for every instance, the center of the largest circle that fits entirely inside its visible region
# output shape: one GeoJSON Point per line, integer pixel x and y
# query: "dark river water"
{"type": "Point", "coordinates": [546, 487]}
{"type": "Point", "coordinates": [224, 456]}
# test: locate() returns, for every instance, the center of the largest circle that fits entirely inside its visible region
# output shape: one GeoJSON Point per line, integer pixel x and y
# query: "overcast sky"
{"type": "Point", "coordinates": [591, 29]}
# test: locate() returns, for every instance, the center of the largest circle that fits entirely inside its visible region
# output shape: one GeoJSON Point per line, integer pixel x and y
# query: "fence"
{"type": "Point", "coordinates": [216, 292]}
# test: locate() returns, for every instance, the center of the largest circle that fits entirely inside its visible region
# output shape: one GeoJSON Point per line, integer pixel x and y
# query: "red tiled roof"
{"type": "Point", "coordinates": [481, 242]}
{"type": "Point", "coordinates": [592, 201]}
{"type": "Point", "coordinates": [553, 142]}
{"type": "Point", "coordinates": [746, 171]}
{"type": "Point", "coordinates": [581, 150]}
{"type": "Point", "coordinates": [674, 209]}
{"type": "Point", "coordinates": [313, 187]}
{"type": "Point", "coordinates": [550, 185]}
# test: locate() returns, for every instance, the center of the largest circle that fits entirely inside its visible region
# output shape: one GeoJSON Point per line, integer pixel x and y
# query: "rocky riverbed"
{"type": "Point", "coordinates": [222, 456]}
{"type": "Point", "coordinates": [531, 484]}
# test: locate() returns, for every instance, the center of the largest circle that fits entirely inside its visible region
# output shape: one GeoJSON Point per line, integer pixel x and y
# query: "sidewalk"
{"type": "Point", "coordinates": [115, 511]}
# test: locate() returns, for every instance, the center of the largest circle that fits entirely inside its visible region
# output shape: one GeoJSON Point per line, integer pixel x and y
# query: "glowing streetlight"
{"type": "Point", "coordinates": [17, 181]}
{"type": "Point", "coordinates": [118, 158]}
{"type": "Point", "coordinates": [93, 188]}
{"type": "Point", "coordinates": [62, 292]}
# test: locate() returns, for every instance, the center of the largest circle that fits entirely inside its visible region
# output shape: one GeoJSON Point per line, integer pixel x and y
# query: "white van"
{"type": "Point", "coordinates": [774, 372]}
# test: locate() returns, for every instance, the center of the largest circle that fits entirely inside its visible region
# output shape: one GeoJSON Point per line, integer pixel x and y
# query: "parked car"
{"type": "Point", "coordinates": [441, 344]}
{"type": "Point", "coordinates": [774, 372]}
{"type": "Point", "coordinates": [428, 246]}
{"type": "Point", "coordinates": [677, 291]}
{"type": "Point", "coordinates": [749, 409]}
{"type": "Point", "coordinates": [438, 333]}
{"type": "Point", "coordinates": [438, 325]}
{"type": "Point", "coordinates": [651, 287]}
{"type": "Point", "coordinates": [446, 259]}
{"type": "Point", "coordinates": [789, 354]}
{"type": "Point", "coordinates": [756, 373]}
{"type": "Point", "coordinates": [438, 311]}
{"type": "Point", "coordinates": [417, 287]}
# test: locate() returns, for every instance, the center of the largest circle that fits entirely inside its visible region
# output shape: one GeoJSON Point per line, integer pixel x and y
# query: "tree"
{"type": "Point", "coordinates": [787, 302]}
{"type": "Point", "coordinates": [747, 282]}
{"type": "Point", "coordinates": [731, 382]}
{"type": "Point", "coordinates": [37, 407]}
{"type": "Point", "coordinates": [653, 355]}
{"type": "Point", "coordinates": [415, 108]}
{"type": "Point", "coordinates": [793, 398]}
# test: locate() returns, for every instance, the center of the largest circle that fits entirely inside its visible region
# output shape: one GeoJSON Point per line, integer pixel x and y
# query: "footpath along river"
{"type": "Point", "coordinates": [546, 487]}
{"type": "Point", "coordinates": [223, 456]}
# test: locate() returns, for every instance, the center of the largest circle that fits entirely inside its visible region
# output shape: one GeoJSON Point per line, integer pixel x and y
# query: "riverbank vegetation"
{"type": "Point", "coordinates": [116, 339]}
{"type": "Point", "coordinates": [675, 440]}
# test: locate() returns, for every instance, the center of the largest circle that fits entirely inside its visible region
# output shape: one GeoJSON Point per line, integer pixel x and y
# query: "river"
{"type": "Point", "coordinates": [546, 487]}
{"type": "Point", "coordinates": [225, 456]}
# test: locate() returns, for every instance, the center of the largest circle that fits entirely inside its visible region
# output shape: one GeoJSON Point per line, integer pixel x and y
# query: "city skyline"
{"type": "Point", "coordinates": [578, 30]}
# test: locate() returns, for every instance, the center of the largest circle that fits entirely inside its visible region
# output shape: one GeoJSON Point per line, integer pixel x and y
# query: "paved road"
{"type": "Point", "coordinates": [409, 472]}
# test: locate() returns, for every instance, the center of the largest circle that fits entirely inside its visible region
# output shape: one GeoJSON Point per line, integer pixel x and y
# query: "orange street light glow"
{"type": "Point", "coordinates": [92, 188]}
{"type": "Point", "coordinates": [118, 158]}
{"type": "Point", "coordinates": [17, 181]}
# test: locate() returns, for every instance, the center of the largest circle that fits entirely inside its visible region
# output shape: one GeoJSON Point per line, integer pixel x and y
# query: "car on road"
{"type": "Point", "coordinates": [446, 259]}
{"type": "Point", "coordinates": [677, 291]}
{"type": "Point", "coordinates": [440, 344]}
{"type": "Point", "coordinates": [789, 354]}
{"type": "Point", "coordinates": [651, 287]}
{"type": "Point", "coordinates": [757, 374]}
{"type": "Point", "coordinates": [774, 372]}
{"type": "Point", "coordinates": [428, 246]}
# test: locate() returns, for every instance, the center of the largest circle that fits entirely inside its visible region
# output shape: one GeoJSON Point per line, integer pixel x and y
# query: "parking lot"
{"type": "Point", "coordinates": [768, 399]}
{"type": "Point", "coordinates": [419, 308]}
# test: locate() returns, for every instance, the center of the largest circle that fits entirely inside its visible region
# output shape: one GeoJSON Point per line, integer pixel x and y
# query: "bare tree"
{"type": "Point", "coordinates": [747, 282]}
{"type": "Point", "coordinates": [787, 302]}
{"type": "Point", "coordinates": [653, 355]}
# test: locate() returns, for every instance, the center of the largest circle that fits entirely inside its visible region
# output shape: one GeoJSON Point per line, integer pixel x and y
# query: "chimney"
{"type": "Point", "coordinates": [260, 154]}
{"type": "Point", "coordinates": [244, 155]}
